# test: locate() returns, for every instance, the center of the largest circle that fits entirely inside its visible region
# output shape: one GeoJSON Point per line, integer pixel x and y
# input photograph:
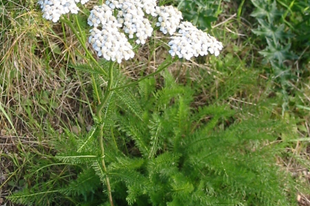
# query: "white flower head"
{"type": "Point", "coordinates": [111, 44]}
{"type": "Point", "coordinates": [131, 16]}
{"type": "Point", "coordinates": [53, 9]}
{"type": "Point", "coordinates": [148, 6]}
{"type": "Point", "coordinates": [190, 41]}
{"type": "Point", "coordinates": [134, 23]}
{"type": "Point", "coordinates": [169, 19]}
{"type": "Point", "coordinates": [102, 16]}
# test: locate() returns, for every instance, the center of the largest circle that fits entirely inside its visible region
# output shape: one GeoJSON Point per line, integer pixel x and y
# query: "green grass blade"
{"type": "Point", "coordinates": [7, 117]}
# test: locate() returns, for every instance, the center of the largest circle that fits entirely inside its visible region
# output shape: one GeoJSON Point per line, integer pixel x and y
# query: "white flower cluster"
{"type": "Point", "coordinates": [102, 16]}
{"type": "Point", "coordinates": [148, 6]}
{"type": "Point", "coordinates": [129, 15]}
{"type": "Point", "coordinates": [53, 9]}
{"type": "Point", "coordinates": [191, 41]}
{"type": "Point", "coordinates": [105, 37]}
{"type": "Point", "coordinates": [132, 18]}
{"type": "Point", "coordinates": [169, 19]}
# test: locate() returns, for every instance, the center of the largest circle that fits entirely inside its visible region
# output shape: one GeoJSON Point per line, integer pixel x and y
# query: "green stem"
{"type": "Point", "coordinates": [104, 166]}
{"type": "Point", "coordinates": [109, 89]}
{"type": "Point", "coordinates": [99, 113]}
{"type": "Point", "coordinates": [102, 103]}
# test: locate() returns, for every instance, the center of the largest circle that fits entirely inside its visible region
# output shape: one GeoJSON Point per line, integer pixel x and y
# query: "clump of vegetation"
{"type": "Point", "coordinates": [159, 150]}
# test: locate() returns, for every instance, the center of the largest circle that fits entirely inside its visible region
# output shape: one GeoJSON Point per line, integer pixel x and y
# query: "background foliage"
{"type": "Point", "coordinates": [282, 25]}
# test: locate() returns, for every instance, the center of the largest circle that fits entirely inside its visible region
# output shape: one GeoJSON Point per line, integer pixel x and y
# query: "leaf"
{"type": "Point", "coordinates": [87, 69]}
{"type": "Point", "coordinates": [265, 9]}
{"type": "Point", "coordinates": [268, 30]}
{"type": "Point", "coordinates": [155, 127]}
{"type": "Point", "coordinates": [181, 185]}
{"type": "Point", "coordinates": [127, 98]}
{"type": "Point", "coordinates": [277, 52]}
{"type": "Point", "coordinates": [201, 13]}
{"type": "Point", "coordinates": [205, 21]}
{"type": "Point", "coordinates": [77, 158]}
{"type": "Point", "coordinates": [260, 9]}
{"type": "Point", "coordinates": [93, 130]}
{"type": "Point", "coordinates": [125, 163]}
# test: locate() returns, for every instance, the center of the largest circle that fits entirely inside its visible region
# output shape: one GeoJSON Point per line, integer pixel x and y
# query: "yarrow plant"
{"type": "Point", "coordinates": [117, 21]}
{"type": "Point", "coordinates": [101, 138]}
{"type": "Point", "coordinates": [115, 25]}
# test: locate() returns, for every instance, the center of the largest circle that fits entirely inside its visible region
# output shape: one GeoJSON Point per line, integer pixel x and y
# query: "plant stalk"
{"type": "Point", "coordinates": [102, 103]}
{"type": "Point", "coordinates": [99, 113]}
{"type": "Point", "coordinates": [104, 166]}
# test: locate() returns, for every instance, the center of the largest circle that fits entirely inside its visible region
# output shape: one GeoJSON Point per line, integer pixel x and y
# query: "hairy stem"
{"type": "Point", "coordinates": [104, 166]}
{"type": "Point", "coordinates": [101, 103]}
{"type": "Point", "coordinates": [99, 113]}
{"type": "Point", "coordinates": [109, 89]}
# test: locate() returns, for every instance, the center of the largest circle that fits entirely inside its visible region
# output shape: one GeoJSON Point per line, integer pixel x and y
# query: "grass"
{"type": "Point", "coordinates": [42, 98]}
